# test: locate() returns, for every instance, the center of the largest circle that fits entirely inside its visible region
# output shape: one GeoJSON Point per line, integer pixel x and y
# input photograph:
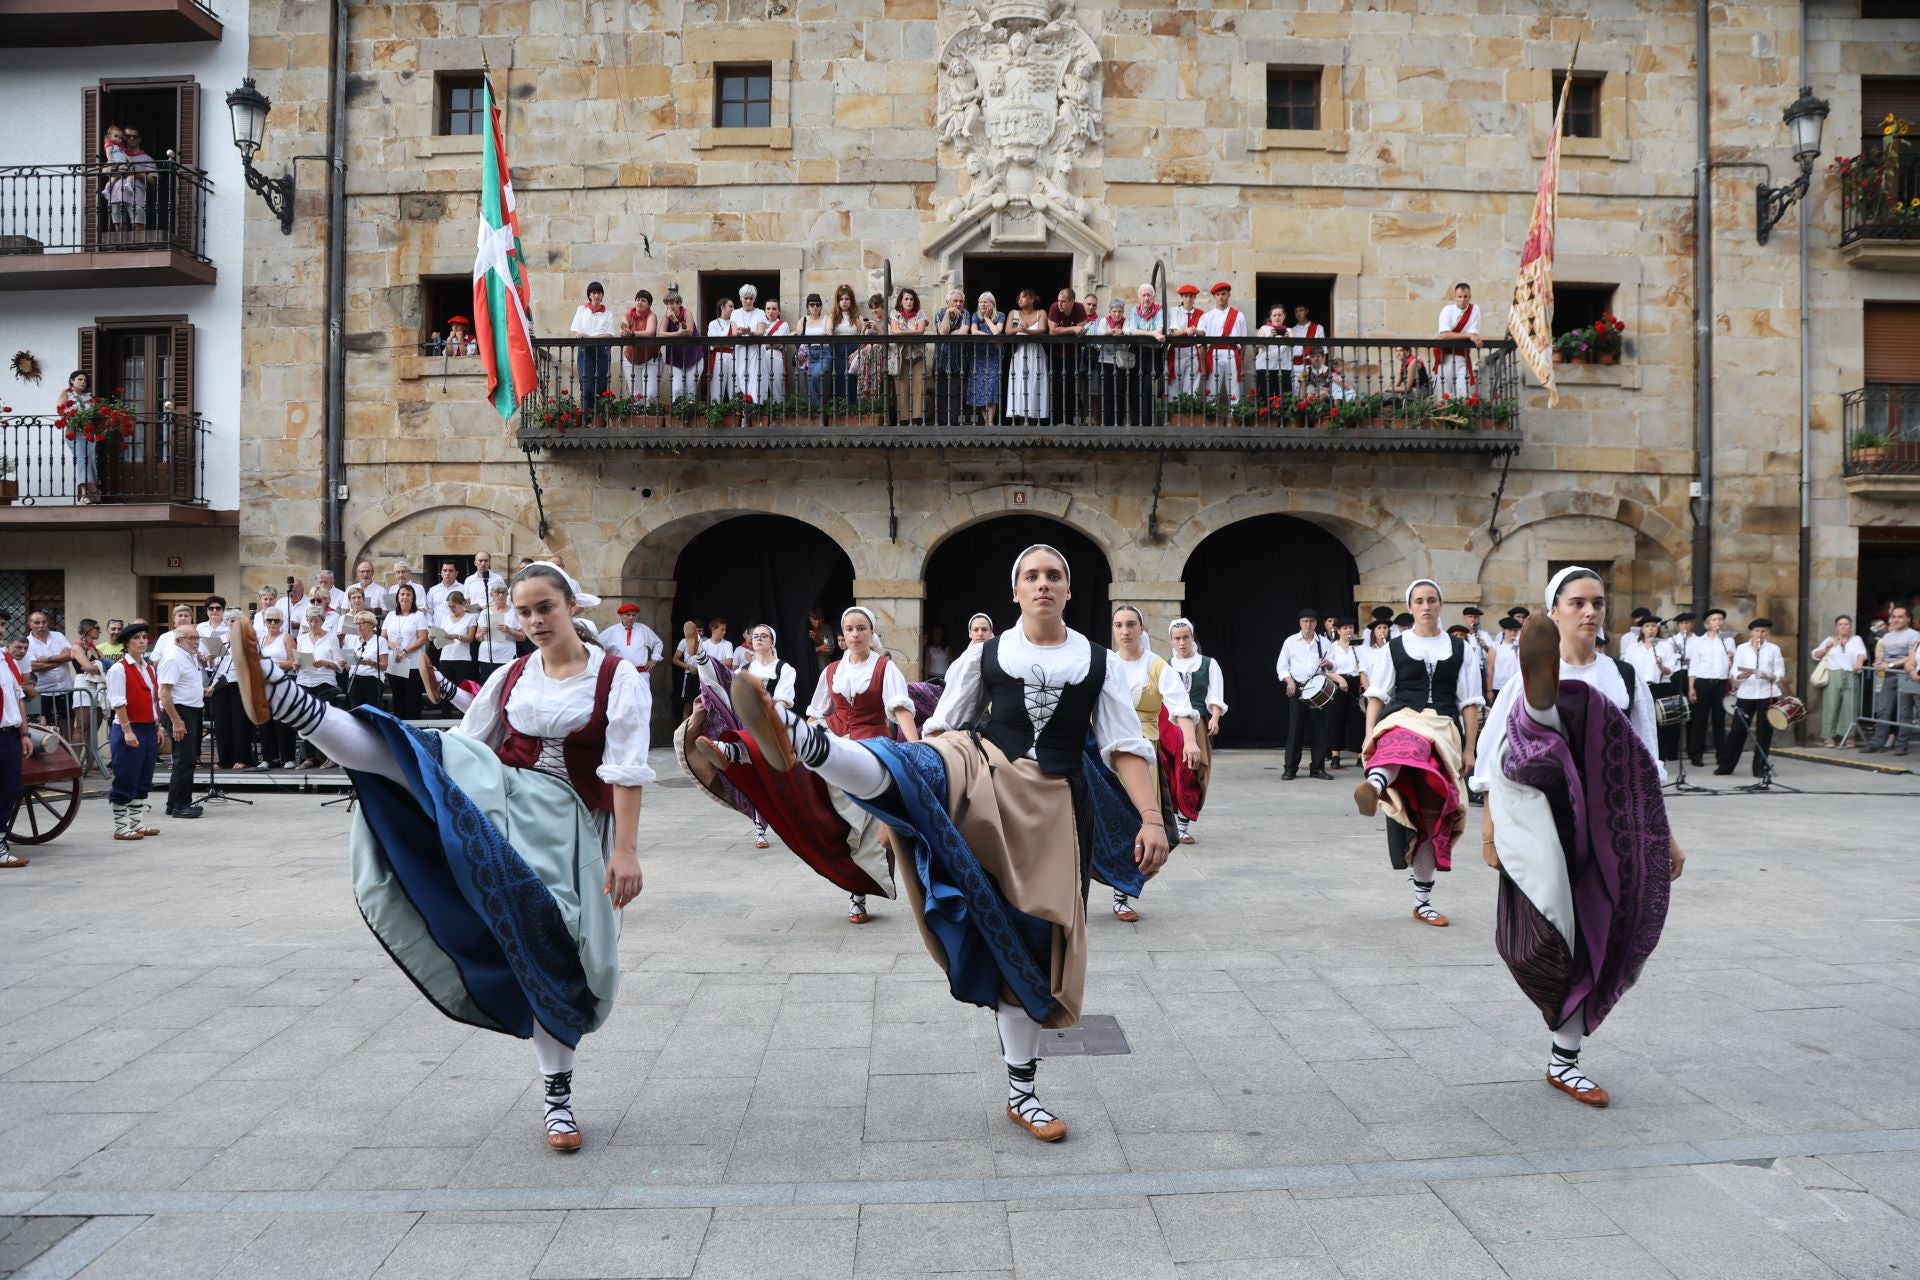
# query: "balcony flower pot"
{"type": "Point", "coordinates": [1559, 356]}
{"type": "Point", "coordinates": [1607, 357]}
{"type": "Point", "coordinates": [1188, 419]}
{"type": "Point", "coordinates": [1869, 459]}
{"type": "Point", "coordinates": [9, 490]}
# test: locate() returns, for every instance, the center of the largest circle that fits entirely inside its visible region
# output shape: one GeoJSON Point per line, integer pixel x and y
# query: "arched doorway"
{"type": "Point", "coordinates": [971, 572]}
{"type": "Point", "coordinates": [762, 568]}
{"type": "Point", "coordinates": [1246, 585]}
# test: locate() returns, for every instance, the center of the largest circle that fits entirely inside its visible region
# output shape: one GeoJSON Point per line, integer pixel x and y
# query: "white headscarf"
{"type": "Point", "coordinates": [1423, 582]}
{"type": "Point", "coordinates": [1182, 622]}
{"type": "Point", "coordinates": [978, 615]}
{"type": "Point", "coordinates": [585, 599]}
{"type": "Point", "coordinates": [1040, 546]}
{"type": "Point", "coordinates": [873, 624]}
{"type": "Point", "coordinates": [1571, 571]}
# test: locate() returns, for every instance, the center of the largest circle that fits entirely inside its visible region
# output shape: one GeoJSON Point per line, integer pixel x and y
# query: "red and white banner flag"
{"type": "Point", "coordinates": [1530, 318]}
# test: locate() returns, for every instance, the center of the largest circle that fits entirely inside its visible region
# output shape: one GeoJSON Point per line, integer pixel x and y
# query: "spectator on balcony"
{"type": "Point", "coordinates": [1183, 362]}
{"type": "Point", "coordinates": [1114, 363]}
{"type": "Point", "coordinates": [75, 396]}
{"type": "Point", "coordinates": [870, 361]}
{"type": "Point", "coordinates": [1272, 361]}
{"type": "Point", "coordinates": [1066, 319]}
{"type": "Point", "coordinates": [1452, 364]}
{"type": "Point", "coordinates": [812, 361]}
{"type": "Point", "coordinates": [950, 359]}
{"type": "Point", "coordinates": [683, 359]}
{"type": "Point", "coordinates": [640, 361]}
{"type": "Point", "coordinates": [1221, 360]}
{"type": "Point", "coordinates": [1845, 656]}
{"type": "Point", "coordinates": [1304, 326]}
{"type": "Point", "coordinates": [593, 320]}
{"type": "Point", "coordinates": [983, 370]}
{"type": "Point", "coordinates": [1145, 318]}
{"type": "Point", "coordinates": [1339, 385]}
{"type": "Point", "coordinates": [1410, 377]}
{"type": "Point", "coordinates": [117, 181]}
{"type": "Point", "coordinates": [844, 321]}
{"type": "Point", "coordinates": [720, 370]}
{"type": "Point", "coordinates": [749, 359]}
{"type": "Point", "coordinates": [460, 339]}
{"type": "Point", "coordinates": [50, 657]}
{"type": "Point", "coordinates": [1027, 378]}
{"type": "Point", "coordinates": [907, 361]}
{"type": "Point", "coordinates": [777, 355]}
{"type": "Point", "coordinates": [145, 180]}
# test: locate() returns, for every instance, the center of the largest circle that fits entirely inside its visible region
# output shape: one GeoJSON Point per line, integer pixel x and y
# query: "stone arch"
{"type": "Point", "coordinates": [656, 534]}
{"type": "Point", "coordinates": [1387, 551]}
{"type": "Point", "coordinates": [920, 539]}
{"type": "Point", "coordinates": [1640, 567]}
{"type": "Point", "coordinates": [477, 517]}
{"type": "Point", "coordinates": [1673, 540]}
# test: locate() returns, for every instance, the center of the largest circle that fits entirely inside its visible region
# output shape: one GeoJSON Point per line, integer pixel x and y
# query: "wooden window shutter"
{"type": "Point", "coordinates": [1892, 341]}
{"type": "Point", "coordinates": [89, 346]}
{"type": "Point", "coordinates": [184, 200]}
{"type": "Point", "coordinates": [186, 147]}
{"type": "Point", "coordinates": [180, 368]}
{"type": "Point", "coordinates": [90, 154]}
{"type": "Point", "coordinates": [1884, 95]}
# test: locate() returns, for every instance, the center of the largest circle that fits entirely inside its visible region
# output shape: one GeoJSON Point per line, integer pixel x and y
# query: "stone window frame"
{"type": "Point", "coordinates": [710, 46]}
{"type": "Point", "coordinates": [418, 114]}
{"type": "Point", "coordinates": [1615, 142]}
{"type": "Point", "coordinates": [1626, 278]}
{"type": "Point", "coordinates": [1251, 89]}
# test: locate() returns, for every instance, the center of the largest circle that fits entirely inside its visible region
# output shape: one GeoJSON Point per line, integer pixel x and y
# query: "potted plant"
{"type": "Point", "coordinates": [9, 486]}
{"type": "Point", "coordinates": [1187, 410]}
{"type": "Point", "coordinates": [1607, 340]}
{"type": "Point", "coordinates": [1867, 448]}
{"type": "Point", "coordinates": [559, 413]}
{"type": "Point", "coordinates": [105, 421]}
{"type": "Point", "coordinates": [868, 412]}
{"type": "Point", "coordinates": [684, 410]}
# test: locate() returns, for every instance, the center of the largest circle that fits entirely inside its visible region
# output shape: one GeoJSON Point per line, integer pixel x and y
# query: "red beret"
{"type": "Point", "coordinates": [1223, 285]}
{"type": "Point", "coordinates": [629, 608]}
{"type": "Point", "coordinates": [1186, 289]}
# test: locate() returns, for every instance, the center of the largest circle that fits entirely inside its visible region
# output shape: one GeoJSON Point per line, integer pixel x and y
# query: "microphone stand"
{"type": "Point", "coordinates": [215, 793]}
{"type": "Point", "coordinates": [1764, 757]}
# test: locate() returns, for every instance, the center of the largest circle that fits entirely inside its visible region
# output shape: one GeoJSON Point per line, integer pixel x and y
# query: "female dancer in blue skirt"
{"type": "Point", "coordinates": [491, 860]}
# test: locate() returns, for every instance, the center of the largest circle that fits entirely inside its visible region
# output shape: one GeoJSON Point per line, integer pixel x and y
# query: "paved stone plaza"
{"type": "Point", "coordinates": [208, 1067]}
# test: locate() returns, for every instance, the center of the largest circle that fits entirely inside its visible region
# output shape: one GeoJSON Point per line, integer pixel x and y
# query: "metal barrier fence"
{"type": "Point", "coordinates": [1131, 380]}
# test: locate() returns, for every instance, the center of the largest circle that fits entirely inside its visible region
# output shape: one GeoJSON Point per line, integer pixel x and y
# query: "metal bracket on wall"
{"type": "Point", "coordinates": [1153, 516]}
{"type": "Point", "coordinates": [539, 495]}
{"type": "Point", "coordinates": [1493, 517]}
{"type": "Point", "coordinates": [893, 517]}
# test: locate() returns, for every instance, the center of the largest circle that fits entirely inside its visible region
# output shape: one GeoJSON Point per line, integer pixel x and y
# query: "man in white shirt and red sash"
{"type": "Point", "coordinates": [1304, 326]}
{"type": "Point", "coordinates": [631, 639]}
{"type": "Point", "coordinates": [1453, 363]}
{"type": "Point", "coordinates": [1221, 360]}
{"type": "Point", "coordinates": [1183, 363]}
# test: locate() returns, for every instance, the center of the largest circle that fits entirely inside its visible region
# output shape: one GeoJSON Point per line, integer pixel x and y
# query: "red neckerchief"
{"type": "Point", "coordinates": [596, 309]}
{"type": "Point", "coordinates": [1146, 313]}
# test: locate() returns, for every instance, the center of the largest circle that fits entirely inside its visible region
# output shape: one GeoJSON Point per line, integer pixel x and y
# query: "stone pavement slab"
{"type": "Point", "coordinates": [209, 1068]}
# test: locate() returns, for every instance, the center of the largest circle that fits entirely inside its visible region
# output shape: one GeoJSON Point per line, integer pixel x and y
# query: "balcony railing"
{"type": "Point", "coordinates": [1124, 392]}
{"type": "Point", "coordinates": [1880, 196]}
{"type": "Point", "coordinates": [98, 224]}
{"type": "Point", "coordinates": [162, 459]}
{"type": "Point", "coordinates": [1883, 430]}
{"type": "Point", "coordinates": [54, 24]}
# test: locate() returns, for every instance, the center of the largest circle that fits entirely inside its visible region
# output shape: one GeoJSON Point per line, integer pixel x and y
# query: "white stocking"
{"type": "Point", "coordinates": [550, 1053]}
{"type": "Point", "coordinates": [1019, 1034]}
{"type": "Point", "coordinates": [844, 763]}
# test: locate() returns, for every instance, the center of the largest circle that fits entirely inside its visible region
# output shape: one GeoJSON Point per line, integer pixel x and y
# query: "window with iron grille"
{"type": "Point", "coordinates": [743, 96]}
{"type": "Point", "coordinates": [1583, 104]}
{"type": "Point", "coordinates": [1293, 97]}
{"type": "Point", "coordinates": [460, 108]}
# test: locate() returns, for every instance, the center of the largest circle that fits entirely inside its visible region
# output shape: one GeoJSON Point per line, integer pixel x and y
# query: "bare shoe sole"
{"type": "Point", "coordinates": [761, 719]}
{"type": "Point", "coordinates": [1540, 662]}
{"type": "Point", "coordinates": [1366, 799]}
{"type": "Point", "coordinates": [429, 674]}
{"type": "Point", "coordinates": [247, 675]}
{"type": "Point", "coordinates": [710, 754]}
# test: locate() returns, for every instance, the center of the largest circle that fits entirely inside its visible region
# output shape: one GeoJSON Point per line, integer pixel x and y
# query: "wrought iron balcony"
{"type": "Point", "coordinates": [1882, 424]}
{"type": "Point", "coordinates": [1129, 392]}
{"type": "Point", "coordinates": [153, 474]}
{"type": "Point", "coordinates": [55, 24]}
{"type": "Point", "coordinates": [1880, 207]}
{"type": "Point", "coordinates": [103, 226]}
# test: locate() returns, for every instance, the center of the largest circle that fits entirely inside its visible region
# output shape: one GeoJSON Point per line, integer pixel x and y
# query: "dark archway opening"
{"type": "Point", "coordinates": [763, 568]}
{"type": "Point", "coordinates": [1246, 585]}
{"type": "Point", "coordinates": [971, 572]}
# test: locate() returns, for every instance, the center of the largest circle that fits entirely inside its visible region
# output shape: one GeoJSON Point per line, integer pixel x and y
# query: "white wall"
{"type": "Point", "coordinates": [42, 90]}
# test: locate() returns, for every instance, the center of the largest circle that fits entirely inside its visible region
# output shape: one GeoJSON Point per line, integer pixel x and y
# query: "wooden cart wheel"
{"type": "Point", "coordinates": [46, 809]}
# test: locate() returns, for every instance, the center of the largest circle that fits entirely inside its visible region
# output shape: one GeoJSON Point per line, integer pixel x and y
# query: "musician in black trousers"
{"type": "Point", "coordinates": [1302, 658]}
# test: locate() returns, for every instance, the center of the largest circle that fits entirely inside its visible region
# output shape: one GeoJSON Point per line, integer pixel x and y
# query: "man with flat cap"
{"type": "Point", "coordinates": [133, 691]}
{"type": "Point", "coordinates": [1759, 675]}
{"type": "Point", "coordinates": [1303, 657]}
{"type": "Point", "coordinates": [631, 639]}
{"type": "Point", "coordinates": [1221, 360]}
{"type": "Point", "coordinates": [1183, 363]}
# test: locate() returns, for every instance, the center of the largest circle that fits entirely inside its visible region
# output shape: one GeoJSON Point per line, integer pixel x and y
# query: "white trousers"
{"type": "Point", "coordinates": [642, 380]}
{"type": "Point", "coordinates": [1224, 381]}
{"type": "Point", "coordinates": [1451, 377]}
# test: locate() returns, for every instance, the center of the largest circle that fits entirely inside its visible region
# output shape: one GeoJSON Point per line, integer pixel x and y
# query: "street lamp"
{"type": "Point", "coordinates": [248, 108]}
{"type": "Point", "coordinates": [1805, 118]}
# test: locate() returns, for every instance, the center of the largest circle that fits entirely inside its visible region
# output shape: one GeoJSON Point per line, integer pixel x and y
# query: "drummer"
{"type": "Point", "coordinates": [1305, 660]}
{"type": "Point", "coordinates": [1759, 672]}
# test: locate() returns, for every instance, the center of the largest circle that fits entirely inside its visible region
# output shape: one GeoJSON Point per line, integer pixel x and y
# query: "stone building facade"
{"type": "Point", "coordinates": [883, 145]}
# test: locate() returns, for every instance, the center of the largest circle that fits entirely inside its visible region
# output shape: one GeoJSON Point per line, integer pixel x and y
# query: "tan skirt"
{"type": "Point", "coordinates": [1019, 823]}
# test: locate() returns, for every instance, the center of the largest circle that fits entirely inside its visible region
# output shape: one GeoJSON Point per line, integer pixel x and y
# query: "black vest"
{"type": "Point", "coordinates": [1417, 689]}
{"type": "Point", "coordinates": [1060, 746]}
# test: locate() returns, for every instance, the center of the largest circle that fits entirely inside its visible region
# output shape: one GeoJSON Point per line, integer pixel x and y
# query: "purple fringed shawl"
{"type": "Point", "coordinates": [1612, 824]}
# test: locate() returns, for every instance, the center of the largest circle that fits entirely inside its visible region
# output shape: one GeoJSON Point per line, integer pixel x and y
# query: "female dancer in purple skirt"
{"type": "Point", "coordinates": [1575, 823]}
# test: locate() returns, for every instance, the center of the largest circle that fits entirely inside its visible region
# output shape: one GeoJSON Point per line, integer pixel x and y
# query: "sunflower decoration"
{"type": "Point", "coordinates": [26, 366]}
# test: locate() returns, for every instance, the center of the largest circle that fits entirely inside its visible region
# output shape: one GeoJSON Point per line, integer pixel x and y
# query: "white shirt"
{"type": "Point", "coordinates": [1603, 674]}
{"type": "Point", "coordinates": [721, 651]}
{"type": "Point", "coordinates": [276, 649]}
{"type": "Point", "coordinates": [363, 656]}
{"type": "Point", "coordinates": [1345, 660]}
{"type": "Point", "coordinates": [375, 594]}
{"type": "Point", "coordinates": [180, 671]}
{"type": "Point", "coordinates": [635, 642]}
{"type": "Point", "coordinates": [222, 667]}
{"type": "Point", "coordinates": [1045, 670]}
{"type": "Point", "coordinates": [939, 658]}
{"type": "Point", "coordinates": [401, 630]}
{"type": "Point", "coordinates": [1647, 659]}
{"type": "Point", "coordinates": [336, 598]}
{"type": "Point", "coordinates": [458, 648]}
{"type": "Point", "coordinates": [745, 318]}
{"type": "Point", "coordinates": [324, 648]}
{"type": "Point", "coordinates": [1764, 661]}
{"type": "Point", "coordinates": [1311, 329]}
{"type": "Point", "coordinates": [551, 709]}
{"type": "Point", "coordinates": [1431, 650]}
{"type": "Point", "coordinates": [1841, 657]}
{"type": "Point", "coordinates": [1300, 658]}
{"type": "Point", "coordinates": [850, 681]}
{"type": "Point", "coordinates": [1273, 355]}
{"type": "Point", "coordinates": [437, 597]}
{"type": "Point", "coordinates": [1449, 317]}
{"type": "Point", "coordinates": [1710, 657]}
{"type": "Point", "coordinates": [496, 645]}
{"type": "Point", "coordinates": [12, 697]}
{"type": "Point", "coordinates": [1506, 663]}
{"type": "Point", "coordinates": [54, 679]}
{"type": "Point", "coordinates": [589, 323]}
{"type": "Point", "coordinates": [778, 676]}
{"type": "Point", "coordinates": [476, 591]}
{"type": "Point", "coordinates": [1214, 324]}
{"type": "Point", "coordinates": [1173, 689]}
{"type": "Point", "coordinates": [1216, 695]}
